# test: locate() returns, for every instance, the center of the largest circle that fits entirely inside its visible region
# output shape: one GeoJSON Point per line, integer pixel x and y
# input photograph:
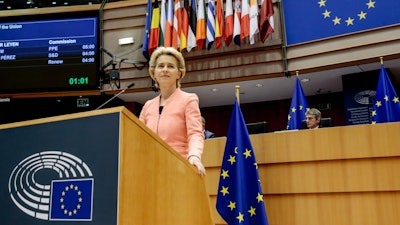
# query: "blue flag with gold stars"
{"type": "Point", "coordinates": [312, 20]}
{"type": "Point", "coordinates": [240, 198]}
{"type": "Point", "coordinates": [298, 107]}
{"type": "Point", "coordinates": [386, 103]}
{"type": "Point", "coordinates": [71, 200]}
{"type": "Point", "coordinates": [147, 27]}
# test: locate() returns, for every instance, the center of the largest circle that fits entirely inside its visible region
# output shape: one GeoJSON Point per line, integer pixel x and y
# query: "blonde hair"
{"type": "Point", "coordinates": [167, 51]}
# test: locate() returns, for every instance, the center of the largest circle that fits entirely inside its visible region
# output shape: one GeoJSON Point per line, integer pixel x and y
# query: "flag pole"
{"type": "Point", "coordinates": [237, 88]}
{"type": "Point", "coordinates": [381, 58]}
{"type": "Point", "coordinates": [297, 73]}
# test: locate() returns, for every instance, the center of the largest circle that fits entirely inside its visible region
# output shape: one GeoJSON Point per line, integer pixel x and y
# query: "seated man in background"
{"type": "Point", "coordinates": [313, 118]}
{"type": "Point", "coordinates": [207, 134]}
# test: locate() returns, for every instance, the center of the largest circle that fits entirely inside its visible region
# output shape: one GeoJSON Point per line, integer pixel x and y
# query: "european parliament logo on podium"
{"type": "Point", "coordinates": [53, 185]}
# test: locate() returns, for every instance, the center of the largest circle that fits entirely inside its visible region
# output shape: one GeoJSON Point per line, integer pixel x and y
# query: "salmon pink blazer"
{"type": "Point", "coordinates": [178, 124]}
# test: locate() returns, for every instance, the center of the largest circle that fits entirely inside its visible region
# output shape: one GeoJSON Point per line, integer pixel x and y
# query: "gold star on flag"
{"type": "Point", "coordinates": [224, 190]}
{"type": "Point", "coordinates": [240, 217]}
{"type": "Point", "coordinates": [232, 159]}
{"type": "Point", "coordinates": [326, 14]}
{"type": "Point", "coordinates": [378, 103]}
{"type": "Point", "coordinates": [247, 153]}
{"type": "Point", "coordinates": [396, 99]}
{"type": "Point", "coordinates": [288, 117]}
{"type": "Point", "coordinates": [373, 113]}
{"type": "Point", "coordinates": [252, 211]}
{"type": "Point", "coordinates": [349, 21]}
{"type": "Point", "coordinates": [259, 198]}
{"type": "Point", "coordinates": [321, 3]}
{"type": "Point", "coordinates": [300, 107]}
{"type": "Point", "coordinates": [293, 110]}
{"type": "Point", "coordinates": [336, 21]}
{"type": "Point", "coordinates": [224, 174]}
{"type": "Point", "coordinates": [386, 98]}
{"type": "Point", "coordinates": [362, 15]}
{"type": "Point", "coordinates": [371, 4]}
{"type": "Point", "coordinates": [232, 205]}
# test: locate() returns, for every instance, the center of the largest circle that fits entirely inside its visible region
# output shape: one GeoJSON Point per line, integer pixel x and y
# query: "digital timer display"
{"type": "Point", "coordinates": [54, 52]}
{"type": "Point", "coordinates": [78, 81]}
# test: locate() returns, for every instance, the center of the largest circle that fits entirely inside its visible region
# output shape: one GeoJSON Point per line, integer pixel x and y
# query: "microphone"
{"type": "Point", "coordinates": [129, 86]}
{"type": "Point", "coordinates": [116, 95]}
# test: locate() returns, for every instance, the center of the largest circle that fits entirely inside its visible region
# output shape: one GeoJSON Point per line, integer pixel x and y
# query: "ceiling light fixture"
{"type": "Point", "coordinates": [304, 80]}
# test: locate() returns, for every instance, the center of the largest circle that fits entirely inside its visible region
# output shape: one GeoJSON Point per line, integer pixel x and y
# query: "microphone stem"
{"type": "Point", "coordinates": [109, 100]}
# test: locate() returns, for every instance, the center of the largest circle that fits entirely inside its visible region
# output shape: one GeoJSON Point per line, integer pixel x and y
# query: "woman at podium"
{"type": "Point", "coordinates": [174, 115]}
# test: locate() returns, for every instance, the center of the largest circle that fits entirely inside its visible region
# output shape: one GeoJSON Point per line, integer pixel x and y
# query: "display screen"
{"type": "Point", "coordinates": [57, 52]}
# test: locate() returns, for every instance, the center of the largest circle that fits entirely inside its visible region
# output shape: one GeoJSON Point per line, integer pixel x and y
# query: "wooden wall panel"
{"type": "Point", "coordinates": [341, 175]}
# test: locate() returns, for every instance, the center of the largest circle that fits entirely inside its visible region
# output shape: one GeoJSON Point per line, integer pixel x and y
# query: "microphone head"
{"type": "Point", "coordinates": [131, 85]}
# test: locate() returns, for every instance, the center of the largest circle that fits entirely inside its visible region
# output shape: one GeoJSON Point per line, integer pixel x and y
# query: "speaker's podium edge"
{"type": "Point", "coordinates": [156, 185]}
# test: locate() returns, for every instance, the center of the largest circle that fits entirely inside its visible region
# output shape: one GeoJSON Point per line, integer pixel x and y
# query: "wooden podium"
{"type": "Point", "coordinates": [137, 178]}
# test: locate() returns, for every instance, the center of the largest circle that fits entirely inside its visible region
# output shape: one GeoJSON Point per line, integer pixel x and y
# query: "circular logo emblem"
{"type": "Point", "coordinates": [30, 183]}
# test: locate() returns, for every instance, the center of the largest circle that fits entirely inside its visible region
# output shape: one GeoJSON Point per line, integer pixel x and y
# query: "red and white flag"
{"type": "Point", "coordinates": [169, 24]}
{"type": "Point", "coordinates": [177, 25]}
{"type": "Point", "coordinates": [266, 19]}
{"type": "Point", "coordinates": [228, 32]}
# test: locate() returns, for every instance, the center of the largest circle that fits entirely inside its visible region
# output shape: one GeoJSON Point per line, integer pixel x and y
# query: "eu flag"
{"type": "Point", "coordinates": [71, 200]}
{"type": "Point", "coordinates": [312, 20]}
{"type": "Point", "coordinates": [386, 103]}
{"type": "Point", "coordinates": [240, 198]}
{"type": "Point", "coordinates": [147, 27]}
{"type": "Point", "coordinates": [298, 107]}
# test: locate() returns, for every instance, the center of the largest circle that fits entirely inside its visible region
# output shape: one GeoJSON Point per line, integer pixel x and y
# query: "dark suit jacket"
{"type": "Point", "coordinates": [208, 134]}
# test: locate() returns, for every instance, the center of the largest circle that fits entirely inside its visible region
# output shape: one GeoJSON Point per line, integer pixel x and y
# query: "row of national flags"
{"type": "Point", "coordinates": [386, 103]}
{"type": "Point", "coordinates": [203, 24]}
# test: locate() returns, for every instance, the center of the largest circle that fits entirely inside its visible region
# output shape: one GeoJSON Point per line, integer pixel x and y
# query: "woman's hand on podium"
{"type": "Point", "coordinates": [194, 160]}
